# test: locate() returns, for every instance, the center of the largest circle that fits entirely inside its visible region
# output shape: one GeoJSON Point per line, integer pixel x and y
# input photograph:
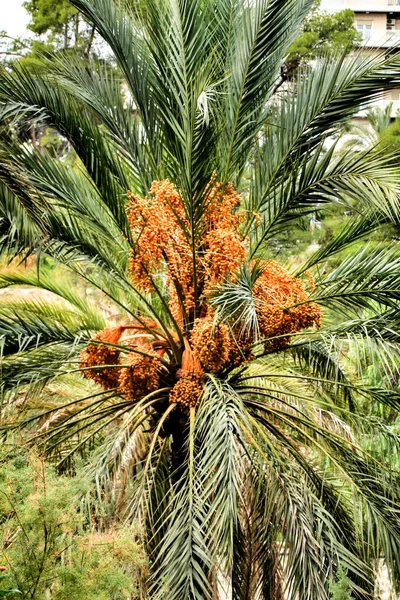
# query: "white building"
{"type": "Point", "coordinates": [379, 23]}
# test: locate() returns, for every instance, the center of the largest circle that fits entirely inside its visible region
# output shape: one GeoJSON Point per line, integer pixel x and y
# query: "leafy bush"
{"type": "Point", "coordinates": [390, 138]}
{"type": "Point", "coordinates": [4, 581]}
{"type": "Point", "coordinates": [50, 541]}
{"type": "Point", "coordinates": [341, 588]}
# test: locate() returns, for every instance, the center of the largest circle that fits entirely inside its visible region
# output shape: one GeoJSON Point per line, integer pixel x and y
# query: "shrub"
{"type": "Point", "coordinates": [341, 588]}
{"type": "Point", "coordinates": [50, 543]}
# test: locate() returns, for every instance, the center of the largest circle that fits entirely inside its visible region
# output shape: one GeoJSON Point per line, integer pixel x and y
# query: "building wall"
{"type": "Point", "coordinates": [363, 5]}
{"type": "Point", "coordinates": [378, 20]}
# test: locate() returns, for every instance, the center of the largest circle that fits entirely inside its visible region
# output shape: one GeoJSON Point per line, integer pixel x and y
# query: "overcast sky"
{"type": "Point", "coordinates": [13, 18]}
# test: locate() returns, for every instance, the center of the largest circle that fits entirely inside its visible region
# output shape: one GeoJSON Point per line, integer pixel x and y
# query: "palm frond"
{"type": "Point", "coordinates": [357, 228]}
{"type": "Point", "coordinates": [256, 464]}
{"type": "Point", "coordinates": [261, 35]}
{"type": "Point", "coordinates": [69, 116]}
{"type": "Point", "coordinates": [360, 282]}
{"type": "Point", "coordinates": [313, 181]}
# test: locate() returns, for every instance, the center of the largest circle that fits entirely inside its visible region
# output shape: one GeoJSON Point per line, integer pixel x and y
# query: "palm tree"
{"type": "Point", "coordinates": [364, 136]}
{"type": "Point", "coordinates": [215, 392]}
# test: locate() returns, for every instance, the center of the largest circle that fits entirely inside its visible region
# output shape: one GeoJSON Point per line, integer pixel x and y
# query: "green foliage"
{"type": "Point", "coordinates": [49, 15]}
{"type": "Point", "coordinates": [323, 33]}
{"type": "Point", "coordinates": [58, 26]}
{"type": "Point", "coordinates": [390, 139]}
{"type": "Point", "coordinates": [380, 118]}
{"type": "Point", "coordinates": [4, 579]}
{"type": "Point", "coordinates": [54, 144]}
{"type": "Point", "coordinates": [363, 136]}
{"type": "Point", "coordinates": [49, 541]}
{"type": "Point", "coordinates": [299, 242]}
{"type": "Point", "coordinates": [341, 588]}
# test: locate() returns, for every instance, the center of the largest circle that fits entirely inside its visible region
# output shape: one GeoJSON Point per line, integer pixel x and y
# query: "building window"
{"type": "Point", "coordinates": [365, 28]}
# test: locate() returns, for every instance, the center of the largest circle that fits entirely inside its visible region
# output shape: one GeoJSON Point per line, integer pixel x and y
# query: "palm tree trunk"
{"type": "Point", "coordinates": [66, 35]}
{"type": "Point", "coordinates": [90, 42]}
{"type": "Point", "coordinates": [76, 31]}
{"type": "Point", "coordinates": [178, 428]}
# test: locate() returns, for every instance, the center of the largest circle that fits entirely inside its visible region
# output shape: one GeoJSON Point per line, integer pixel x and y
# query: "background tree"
{"type": "Point", "coordinates": [62, 23]}
{"type": "Point", "coordinates": [390, 138]}
{"type": "Point", "coordinates": [367, 135]}
{"type": "Point", "coordinates": [57, 25]}
{"type": "Point", "coordinates": [322, 33]}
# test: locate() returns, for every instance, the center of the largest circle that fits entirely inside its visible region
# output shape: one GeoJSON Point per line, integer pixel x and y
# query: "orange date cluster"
{"type": "Point", "coordinates": [165, 249]}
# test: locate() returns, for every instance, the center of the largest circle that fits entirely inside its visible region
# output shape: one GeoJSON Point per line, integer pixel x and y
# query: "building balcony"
{"type": "Point", "coordinates": [381, 38]}
{"type": "Point", "coordinates": [368, 6]}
